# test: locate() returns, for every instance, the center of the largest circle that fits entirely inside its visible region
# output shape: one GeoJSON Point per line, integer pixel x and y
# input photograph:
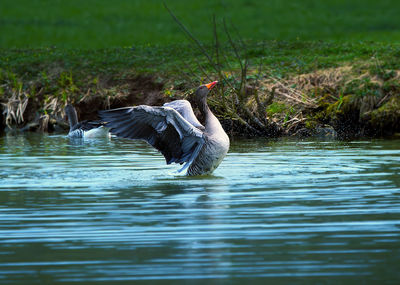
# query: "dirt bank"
{"type": "Point", "coordinates": [344, 102]}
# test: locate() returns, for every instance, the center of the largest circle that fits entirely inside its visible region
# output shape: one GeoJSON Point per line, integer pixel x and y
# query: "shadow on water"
{"type": "Point", "coordinates": [281, 211]}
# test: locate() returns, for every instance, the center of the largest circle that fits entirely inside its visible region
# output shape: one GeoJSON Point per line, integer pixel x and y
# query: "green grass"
{"type": "Point", "coordinates": [101, 36]}
{"type": "Point", "coordinates": [284, 58]}
{"type": "Point", "coordinates": [49, 67]}
{"type": "Point", "coordinates": [122, 23]}
{"type": "Point", "coordinates": [59, 50]}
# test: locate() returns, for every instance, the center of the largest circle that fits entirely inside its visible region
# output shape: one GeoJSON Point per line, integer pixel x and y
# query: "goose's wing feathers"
{"type": "Point", "coordinates": [87, 125]}
{"type": "Point", "coordinates": [162, 127]}
{"type": "Point", "coordinates": [185, 109]}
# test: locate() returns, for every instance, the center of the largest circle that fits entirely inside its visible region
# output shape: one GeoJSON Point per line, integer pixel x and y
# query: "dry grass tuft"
{"type": "Point", "coordinates": [14, 109]}
{"type": "Point", "coordinates": [298, 91]}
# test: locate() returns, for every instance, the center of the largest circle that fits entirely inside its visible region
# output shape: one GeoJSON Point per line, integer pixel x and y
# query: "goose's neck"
{"type": "Point", "coordinates": [211, 122]}
{"type": "Point", "coordinates": [72, 117]}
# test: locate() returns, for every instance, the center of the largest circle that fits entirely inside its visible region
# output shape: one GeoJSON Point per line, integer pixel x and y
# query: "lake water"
{"type": "Point", "coordinates": [274, 212]}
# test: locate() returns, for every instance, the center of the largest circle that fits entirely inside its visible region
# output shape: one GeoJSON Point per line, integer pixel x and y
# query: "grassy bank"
{"type": "Point", "coordinates": [315, 84]}
{"type": "Point", "coordinates": [98, 54]}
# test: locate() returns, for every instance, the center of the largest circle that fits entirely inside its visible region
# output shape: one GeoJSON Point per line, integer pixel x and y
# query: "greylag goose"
{"type": "Point", "coordinates": [174, 130]}
{"type": "Point", "coordinates": [84, 129]}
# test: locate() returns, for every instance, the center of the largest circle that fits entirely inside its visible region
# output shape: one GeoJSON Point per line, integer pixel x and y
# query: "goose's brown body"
{"type": "Point", "coordinates": [210, 156]}
{"type": "Point", "coordinates": [84, 129]}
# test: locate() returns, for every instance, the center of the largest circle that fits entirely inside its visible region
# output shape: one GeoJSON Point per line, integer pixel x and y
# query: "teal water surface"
{"type": "Point", "coordinates": [275, 212]}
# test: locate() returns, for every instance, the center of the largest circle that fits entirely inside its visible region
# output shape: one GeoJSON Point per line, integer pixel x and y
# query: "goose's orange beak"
{"type": "Point", "coordinates": [211, 85]}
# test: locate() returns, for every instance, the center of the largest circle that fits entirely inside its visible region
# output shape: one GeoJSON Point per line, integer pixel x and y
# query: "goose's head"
{"type": "Point", "coordinates": [200, 96]}
{"type": "Point", "coordinates": [69, 109]}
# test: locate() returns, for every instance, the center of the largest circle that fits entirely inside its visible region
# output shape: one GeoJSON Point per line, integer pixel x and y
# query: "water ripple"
{"type": "Point", "coordinates": [112, 211]}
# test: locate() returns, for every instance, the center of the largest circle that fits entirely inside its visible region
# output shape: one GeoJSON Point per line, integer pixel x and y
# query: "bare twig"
{"type": "Point", "coordinates": [216, 42]}
{"type": "Point", "coordinates": [235, 104]}
{"type": "Point", "coordinates": [235, 50]}
{"type": "Point", "coordinates": [199, 46]}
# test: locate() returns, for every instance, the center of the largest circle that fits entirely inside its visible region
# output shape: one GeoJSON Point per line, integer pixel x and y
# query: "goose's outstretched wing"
{"type": "Point", "coordinates": [185, 109]}
{"type": "Point", "coordinates": [162, 127]}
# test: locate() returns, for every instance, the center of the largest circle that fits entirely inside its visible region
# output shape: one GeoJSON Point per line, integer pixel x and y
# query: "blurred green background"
{"type": "Point", "coordinates": [125, 23]}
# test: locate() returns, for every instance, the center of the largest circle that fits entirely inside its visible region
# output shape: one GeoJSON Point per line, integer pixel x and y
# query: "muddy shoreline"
{"type": "Point", "coordinates": [327, 115]}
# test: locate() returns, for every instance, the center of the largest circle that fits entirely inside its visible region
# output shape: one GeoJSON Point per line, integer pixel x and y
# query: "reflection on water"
{"type": "Point", "coordinates": [274, 211]}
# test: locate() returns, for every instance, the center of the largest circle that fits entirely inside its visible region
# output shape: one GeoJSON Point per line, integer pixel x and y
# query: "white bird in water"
{"type": "Point", "coordinates": [84, 129]}
{"type": "Point", "coordinates": [174, 130]}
